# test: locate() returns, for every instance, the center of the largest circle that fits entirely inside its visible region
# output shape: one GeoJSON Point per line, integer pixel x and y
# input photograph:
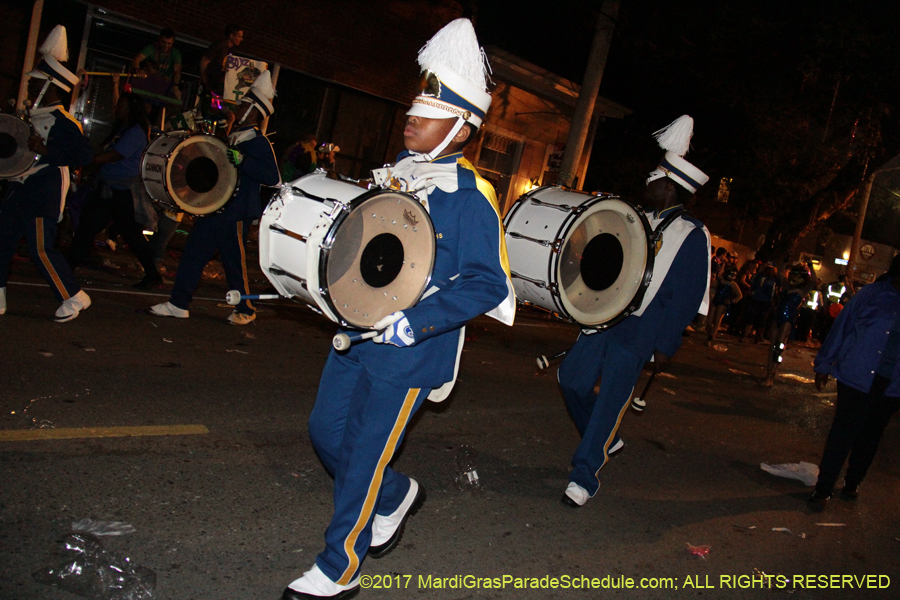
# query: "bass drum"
{"type": "Point", "coordinates": [15, 157]}
{"type": "Point", "coordinates": [356, 255]}
{"type": "Point", "coordinates": [583, 257]}
{"type": "Point", "coordinates": [189, 172]}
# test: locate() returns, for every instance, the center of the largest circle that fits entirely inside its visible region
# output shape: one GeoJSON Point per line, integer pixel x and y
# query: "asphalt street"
{"type": "Point", "coordinates": [231, 503]}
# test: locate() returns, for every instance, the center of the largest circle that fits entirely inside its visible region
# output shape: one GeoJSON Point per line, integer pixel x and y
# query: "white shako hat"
{"type": "Point", "coordinates": [261, 94]}
{"type": "Point", "coordinates": [675, 139]}
{"type": "Point", "coordinates": [55, 51]}
{"type": "Point", "coordinates": [454, 76]}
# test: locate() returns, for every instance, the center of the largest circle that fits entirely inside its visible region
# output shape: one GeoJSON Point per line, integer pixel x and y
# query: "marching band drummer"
{"type": "Point", "coordinates": [679, 286]}
{"type": "Point", "coordinates": [224, 232]}
{"type": "Point", "coordinates": [34, 200]}
{"type": "Point", "coordinates": [368, 394]}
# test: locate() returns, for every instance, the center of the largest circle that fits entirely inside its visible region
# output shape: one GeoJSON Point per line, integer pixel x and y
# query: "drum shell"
{"type": "Point", "coordinates": [165, 177]}
{"type": "Point", "coordinates": [15, 157]}
{"type": "Point", "coordinates": [302, 240]}
{"type": "Point", "coordinates": [547, 233]}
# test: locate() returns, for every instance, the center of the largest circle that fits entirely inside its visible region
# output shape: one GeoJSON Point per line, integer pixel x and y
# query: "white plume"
{"type": "Point", "coordinates": [263, 86]}
{"type": "Point", "coordinates": [676, 136]}
{"type": "Point", "coordinates": [455, 47]}
{"type": "Point", "coordinates": [56, 44]}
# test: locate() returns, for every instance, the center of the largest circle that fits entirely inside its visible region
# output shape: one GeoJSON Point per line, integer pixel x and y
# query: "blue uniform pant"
{"type": "Point", "coordinates": [596, 417]}
{"type": "Point", "coordinates": [40, 233]}
{"type": "Point", "coordinates": [208, 236]}
{"type": "Point", "coordinates": [859, 422]}
{"type": "Point", "coordinates": [356, 426]}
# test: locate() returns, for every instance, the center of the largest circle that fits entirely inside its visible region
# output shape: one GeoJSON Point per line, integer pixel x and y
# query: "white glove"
{"type": "Point", "coordinates": [394, 329]}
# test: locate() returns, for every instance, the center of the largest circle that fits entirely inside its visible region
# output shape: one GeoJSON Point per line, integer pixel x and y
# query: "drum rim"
{"type": "Point", "coordinates": [35, 157]}
{"type": "Point", "coordinates": [177, 204]}
{"type": "Point", "coordinates": [634, 303]}
{"type": "Point", "coordinates": [328, 240]}
{"type": "Point", "coordinates": [560, 236]}
{"type": "Point", "coordinates": [564, 230]}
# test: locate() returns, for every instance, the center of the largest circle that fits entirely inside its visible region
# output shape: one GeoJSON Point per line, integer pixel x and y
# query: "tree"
{"type": "Point", "coordinates": [793, 100]}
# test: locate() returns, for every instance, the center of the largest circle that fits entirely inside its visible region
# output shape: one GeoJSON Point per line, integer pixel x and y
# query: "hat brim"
{"type": "Point", "coordinates": [52, 69]}
{"type": "Point", "coordinates": [680, 171]}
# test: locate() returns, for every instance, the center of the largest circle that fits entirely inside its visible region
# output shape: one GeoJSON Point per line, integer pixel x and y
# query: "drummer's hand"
{"type": "Point", "coordinates": [234, 157]}
{"type": "Point", "coordinates": [394, 329]}
{"type": "Point", "coordinates": [821, 381]}
{"type": "Point", "coordinates": [660, 360]}
{"type": "Point", "coordinates": [36, 145]}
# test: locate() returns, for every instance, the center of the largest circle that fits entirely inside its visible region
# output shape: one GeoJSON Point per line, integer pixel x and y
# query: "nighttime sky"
{"type": "Point", "coordinates": [771, 84]}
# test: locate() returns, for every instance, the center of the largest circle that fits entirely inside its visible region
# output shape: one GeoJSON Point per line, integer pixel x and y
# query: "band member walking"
{"type": "Point", "coordinates": [369, 393]}
{"type": "Point", "coordinates": [679, 287]}
{"type": "Point", "coordinates": [34, 201]}
{"type": "Point", "coordinates": [224, 232]}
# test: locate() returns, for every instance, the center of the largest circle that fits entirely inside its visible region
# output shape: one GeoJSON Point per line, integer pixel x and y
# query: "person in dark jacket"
{"type": "Point", "coordinates": [862, 351]}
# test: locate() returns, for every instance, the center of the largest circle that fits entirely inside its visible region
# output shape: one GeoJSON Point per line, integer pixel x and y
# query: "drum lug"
{"type": "Point", "coordinates": [337, 208]}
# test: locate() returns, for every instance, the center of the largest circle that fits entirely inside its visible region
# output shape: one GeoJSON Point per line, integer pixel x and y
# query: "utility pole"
{"type": "Point", "coordinates": [860, 220]}
{"type": "Point", "coordinates": [587, 98]}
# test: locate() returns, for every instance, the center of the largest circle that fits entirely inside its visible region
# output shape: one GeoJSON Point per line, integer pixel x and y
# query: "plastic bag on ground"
{"type": "Point", "coordinates": [81, 565]}
{"type": "Point", "coordinates": [806, 472]}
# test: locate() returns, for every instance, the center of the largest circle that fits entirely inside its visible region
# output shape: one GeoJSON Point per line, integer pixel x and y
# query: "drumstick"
{"type": "Point", "coordinates": [234, 297]}
{"type": "Point", "coordinates": [543, 362]}
{"type": "Point", "coordinates": [342, 341]}
{"type": "Point", "coordinates": [639, 403]}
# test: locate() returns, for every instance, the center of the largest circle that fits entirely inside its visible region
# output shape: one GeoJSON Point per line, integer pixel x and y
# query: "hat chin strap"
{"type": "Point", "coordinates": [37, 101]}
{"type": "Point", "coordinates": [430, 156]}
{"type": "Point", "coordinates": [246, 114]}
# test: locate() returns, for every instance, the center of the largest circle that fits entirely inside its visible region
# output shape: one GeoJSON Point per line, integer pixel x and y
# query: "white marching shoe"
{"type": "Point", "coordinates": [387, 530]}
{"type": "Point", "coordinates": [575, 495]}
{"type": "Point", "coordinates": [167, 309]}
{"type": "Point", "coordinates": [70, 308]}
{"type": "Point", "coordinates": [2, 300]}
{"type": "Point", "coordinates": [315, 584]}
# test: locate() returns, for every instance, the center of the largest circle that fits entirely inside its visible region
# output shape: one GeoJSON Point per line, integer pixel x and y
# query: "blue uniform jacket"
{"type": "Point", "coordinates": [855, 345]}
{"type": "Point", "coordinates": [257, 168]}
{"type": "Point", "coordinates": [675, 304]}
{"type": "Point", "coordinates": [471, 279]}
{"type": "Point", "coordinates": [40, 194]}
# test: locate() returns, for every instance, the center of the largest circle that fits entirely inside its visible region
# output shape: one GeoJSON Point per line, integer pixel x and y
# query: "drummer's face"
{"type": "Point", "coordinates": [34, 86]}
{"type": "Point", "coordinates": [658, 194]}
{"type": "Point", "coordinates": [422, 134]}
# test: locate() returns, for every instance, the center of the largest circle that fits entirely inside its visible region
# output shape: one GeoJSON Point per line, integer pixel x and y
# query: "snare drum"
{"type": "Point", "coordinates": [189, 172]}
{"type": "Point", "coordinates": [583, 257]}
{"type": "Point", "coordinates": [357, 255]}
{"type": "Point", "coordinates": [15, 157]}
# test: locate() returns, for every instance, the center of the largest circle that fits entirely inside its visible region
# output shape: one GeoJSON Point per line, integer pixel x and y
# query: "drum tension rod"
{"type": "Point", "coordinates": [519, 236]}
{"type": "Point", "coordinates": [552, 288]}
{"type": "Point", "coordinates": [334, 202]}
{"type": "Point", "coordinates": [279, 271]}
{"type": "Point", "coordinates": [283, 231]}
{"type": "Point", "coordinates": [562, 207]}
